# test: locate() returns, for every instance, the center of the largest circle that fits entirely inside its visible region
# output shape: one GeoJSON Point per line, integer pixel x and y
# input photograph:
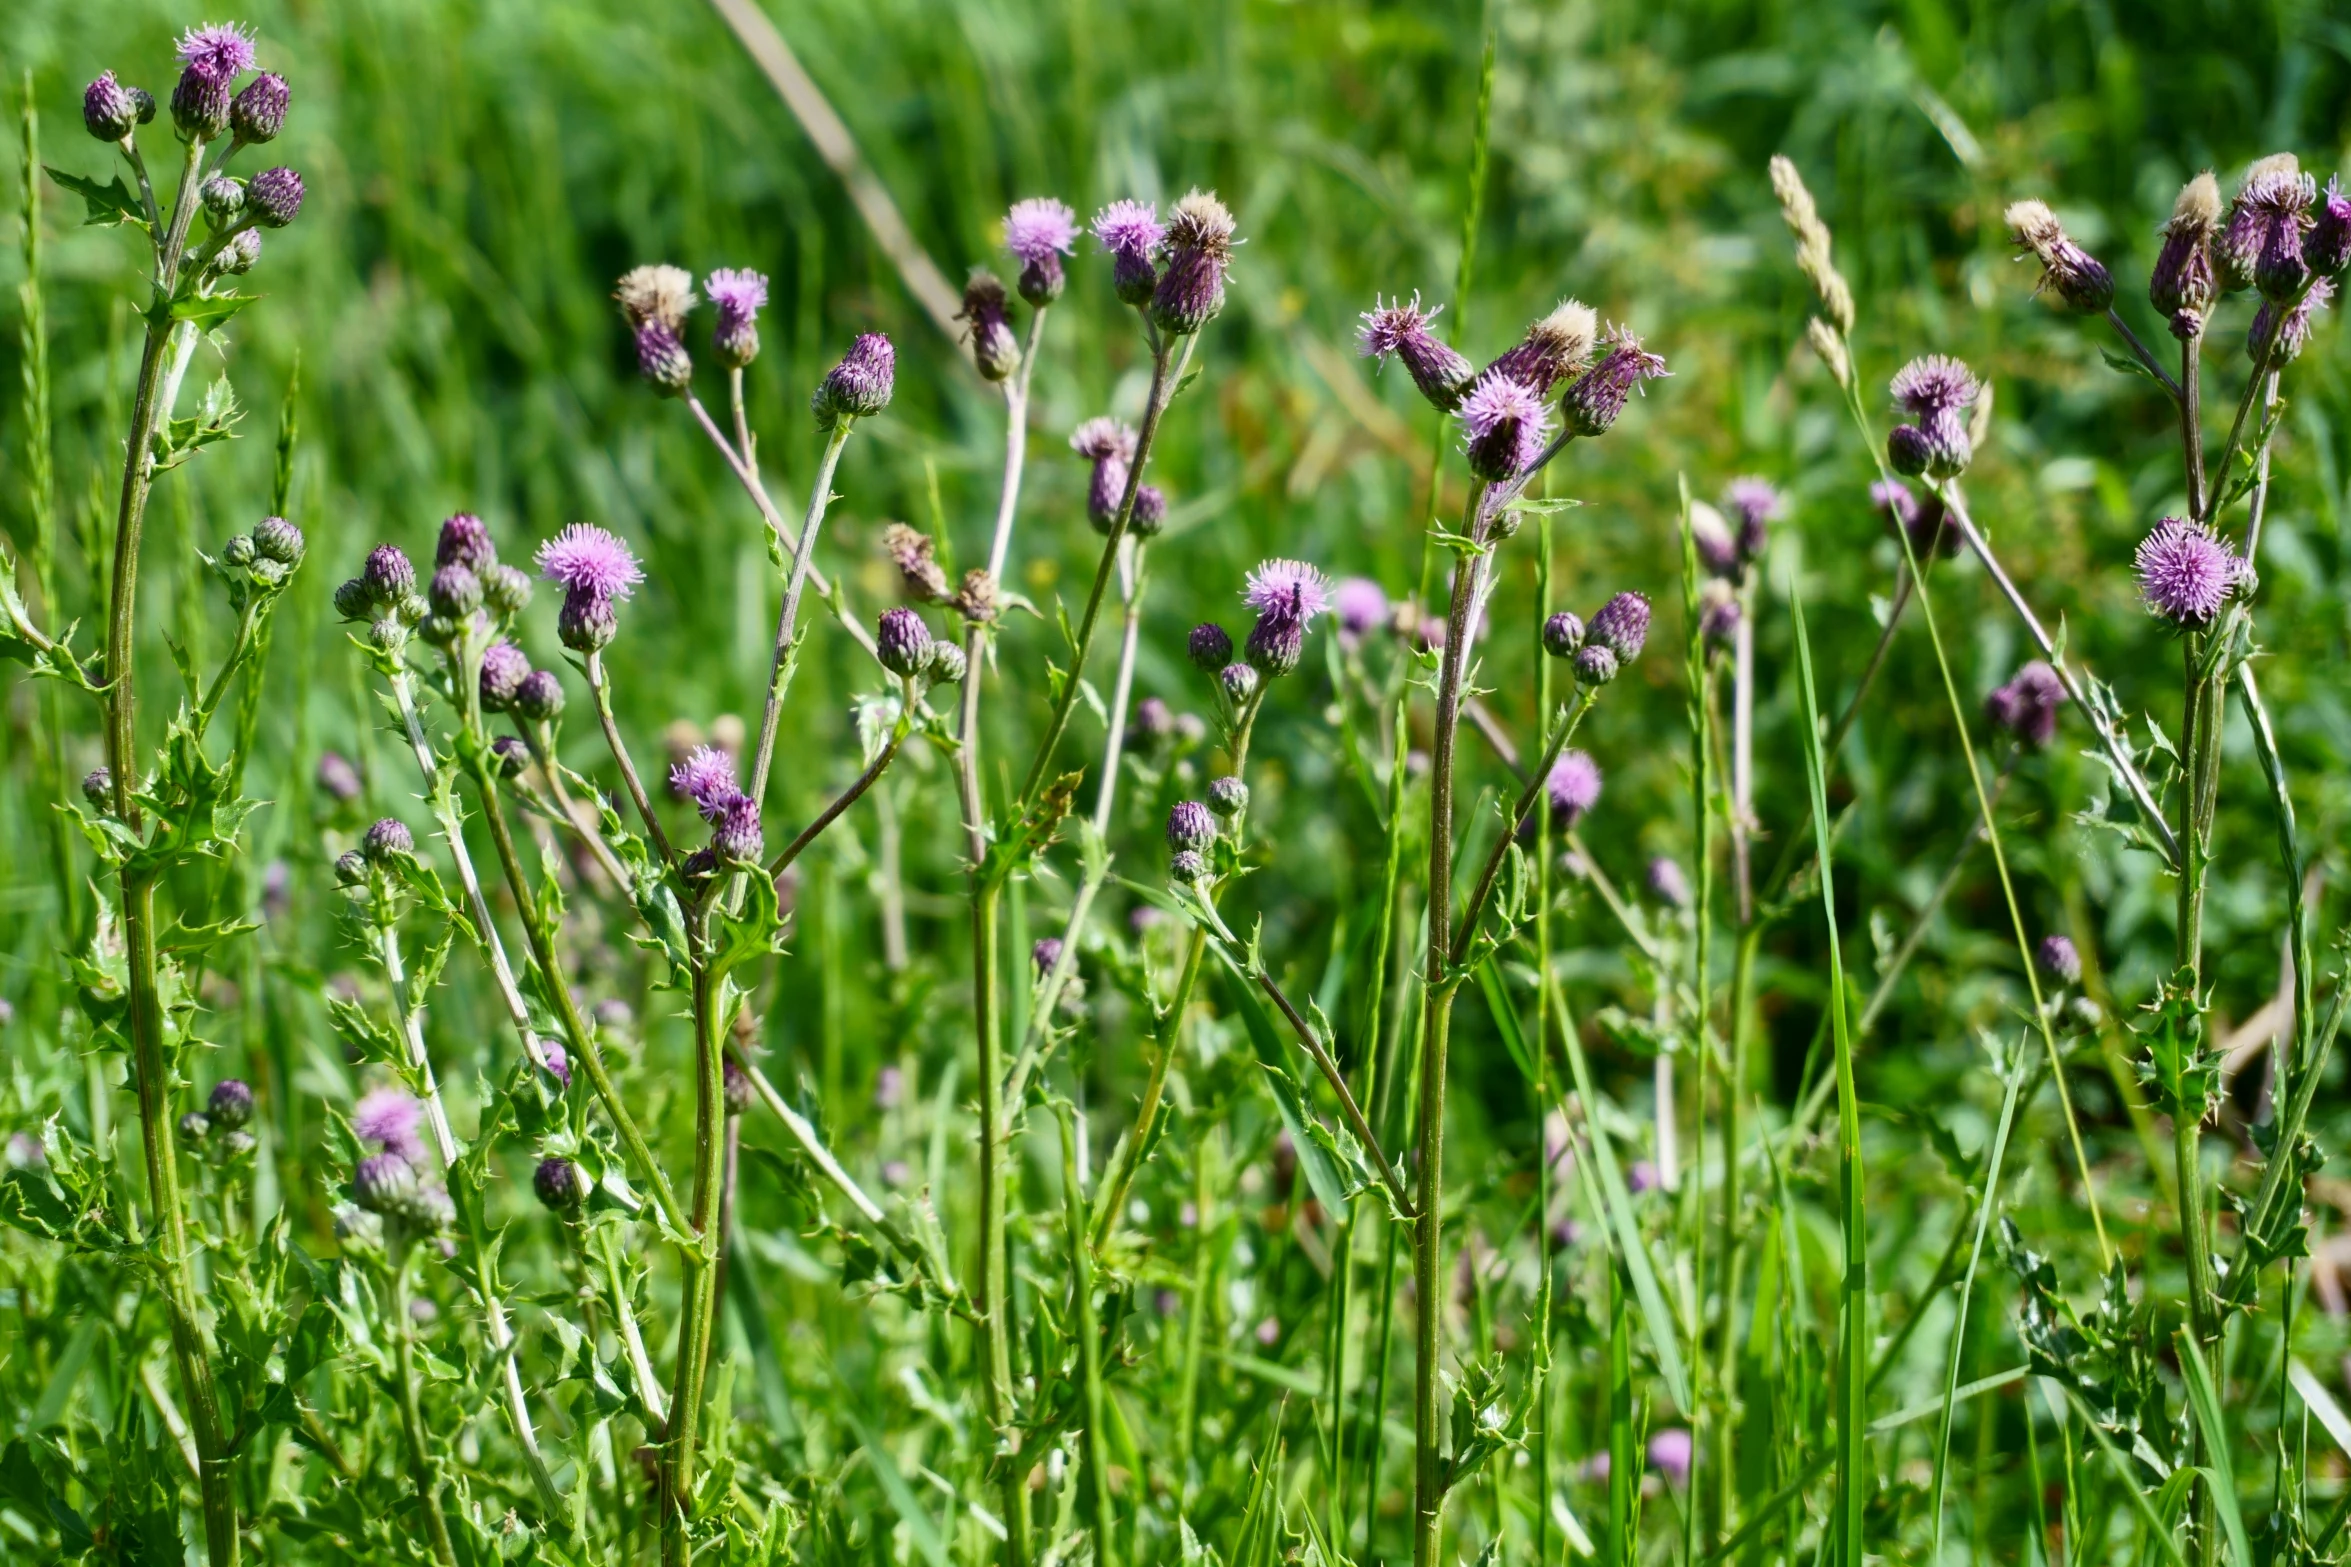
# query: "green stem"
{"type": "Point", "coordinates": [701, 1264]}
{"type": "Point", "coordinates": [423, 1474]}
{"type": "Point", "coordinates": [787, 621]}
{"type": "Point", "coordinates": [1089, 1332]}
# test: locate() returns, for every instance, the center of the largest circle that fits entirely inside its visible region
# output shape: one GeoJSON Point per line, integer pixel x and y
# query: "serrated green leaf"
{"type": "Point", "coordinates": [108, 204]}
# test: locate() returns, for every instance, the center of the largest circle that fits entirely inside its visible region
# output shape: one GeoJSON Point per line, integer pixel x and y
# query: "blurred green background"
{"type": "Point", "coordinates": [479, 173]}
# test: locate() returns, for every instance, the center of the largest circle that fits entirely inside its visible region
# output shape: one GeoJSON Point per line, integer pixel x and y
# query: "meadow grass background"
{"type": "Point", "coordinates": [479, 173]}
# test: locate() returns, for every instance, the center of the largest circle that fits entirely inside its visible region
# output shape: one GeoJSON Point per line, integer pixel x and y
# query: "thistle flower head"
{"type": "Point", "coordinates": [539, 699]}
{"type": "Point", "coordinates": [1209, 646]}
{"type": "Point", "coordinates": [1190, 825]}
{"type": "Point", "coordinates": [1711, 536]}
{"type": "Point", "coordinates": [1621, 625]}
{"type": "Point", "coordinates": [706, 777]}
{"type": "Point", "coordinates": [2027, 706]}
{"type": "Point", "coordinates": [735, 835]}
{"type": "Point", "coordinates": [1669, 1454]}
{"type": "Point", "coordinates": [1103, 439]}
{"type": "Point", "coordinates": [388, 574]}
{"type": "Point", "coordinates": [1572, 788]}
{"type": "Point", "coordinates": [231, 1103]}
{"type": "Point", "coordinates": [1597, 398]}
{"type": "Point", "coordinates": [1040, 228]}
{"type": "Point", "coordinates": [2182, 284]}
{"type": "Point", "coordinates": [259, 112]}
{"type": "Point", "coordinates": [1554, 348]}
{"type": "Point", "coordinates": [108, 108]}
{"type": "Point", "coordinates": [902, 643]}
{"type": "Point", "coordinates": [861, 384]}
{"type": "Point", "coordinates": [1131, 232]}
{"type": "Point", "coordinates": [1936, 391]}
{"type": "Point", "coordinates": [2059, 959]}
{"type": "Point", "coordinates": [1228, 797]}
{"type": "Point", "coordinates": [2185, 572]}
{"type": "Point", "coordinates": [217, 51]}
{"type": "Point", "coordinates": [1563, 634]}
{"type": "Point", "coordinates": [585, 560]}
{"type": "Point", "coordinates": [995, 352]}
{"type": "Point", "coordinates": [657, 294]}
{"type": "Point", "coordinates": [2291, 337]}
{"type": "Point", "coordinates": [385, 1184]}
{"type": "Point", "coordinates": [2328, 247]}
{"type": "Point", "coordinates": [1719, 613]}
{"type": "Point", "coordinates": [1045, 954]}
{"type": "Point", "coordinates": [1362, 607]}
{"type": "Point", "coordinates": [1199, 251]}
{"type": "Point", "coordinates": [1288, 587]}
{"type": "Point", "coordinates": [337, 778]}
{"type": "Point", "coordinates": [738, 294]}
{"type": "Point", "coordinates": [557, 1063]}
{"type": "Point", "coordinates": [2261, 242]}
{"type": "Point", "coordinates": [914, 554]}
{"type": "Point", "coordinates": [1504, 425]}
{"type": "Point", "coordinates": [1438, 369]}
{"type": "Point", "coordinates": [389, 1118]}
{"type": "Point", "coordinates": [464, 540]}
{"type": "Point", "coordinates": [1933, 386]}
{"type": "Point", "coordinates": [559, 1185]}
{"type": "Point", "coordinates": [1756, 504]}
{"type": "Point", "coordinates": [385, 838]}
{"type": "Point", "coordinates": [274, 196]}
{"type": "Point", "coordinates": [2069, 274]}
{"type": "Point", "coordinates": [504, 668]}
{"type": "Point", "coordinates": [1110, 446]}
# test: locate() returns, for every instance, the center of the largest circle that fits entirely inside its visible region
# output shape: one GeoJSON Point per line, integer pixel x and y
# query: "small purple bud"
{"type": "Point", "coordinates": [510, 755]}
{"type": "Point", "coordinates": [539, 699]}
{"type": "Point", "coordinates": [902, 643]}
{"type": "Point", "coordinates": [1908, 452]}
{"type": "Point", "coordinates": [454, 593]}
{"type": "Point", "coordinates": [1622, 626]}
{"type": "Point", "coordinates": [2328, 247]}
{"type": "Point", "coordinates": [1210, 647]}
{"type": "Point", "coordinates": [1238, 681]}
{"type": "Point", "coordinates": [736, 840]}
{"type": "Point", "coordinates": [386, 837]}
{"type": "Point", "coordinates": [259, 112]}
{"type": "Point", "coordinates": [1190, 825]}
{"type": "Point", "coordinates": [1593, 404]}
{"type": "Point", "coordinates": [337, 778]}
{"type": "Point", "coordinates": [558, 1064]}
{"type": "Point", "coordinates": [995, 352]}
{"type": "Point", "coordinates": [2059, 959]}
{"type": "Point", "coordinates": [1187, 865]}
{"type": "Point", "coordinates": [108, 108]}
{"type": "Point", "coordinates": [504, 668]}
{"type": "Point", "coordinates": [2027, 706]}
{"type": "Point", "coordinates": [388, 574]}
{"type": "Point", "coordinates": [238, 256]}
{"type": "Point", "coordinates": [1228, 797]}
{"type": "Point", "coordinates": [1595, 665]}
{"type": "Point", "coordinates": [275, 196]}
{"type": "Point", "coordinates": [1109, 445]}
{"type": "Point", "coordinates": [861, 384]}
{"type": "Point", "coordinates": [1045, 954]}
{"type": "Point", "coordinates": [947, 663]}
{"type": "Point", "coordinates": [1754, 503]}
{"type": "Point", "coordinates": [231, 1104]}
{"type": "Point", "coordinates": [1563, 634]}
{"type": "Point", "coordinates": [1149, 514]}
{"type": "Point", "coordinates": [1154, 723]}
{"type": "Point", "coordinates": [200, 105]}
{"type": "Point", "coordinates": [560, 1186]}
{"type": "Point", "coordinates": [350, 868]}
{"type": "Point", "coordinates": [98, 788]}
{"type": "Point", "coordinates": [1711, 537]}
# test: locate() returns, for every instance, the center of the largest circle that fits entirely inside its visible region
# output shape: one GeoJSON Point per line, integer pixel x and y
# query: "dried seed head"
{"type": "Point", "coordinates": [656, 294]}
{"type": "Point", "coordinates": [1199, 250]}
{"type": "Point", "coordinates": [2069, 274]}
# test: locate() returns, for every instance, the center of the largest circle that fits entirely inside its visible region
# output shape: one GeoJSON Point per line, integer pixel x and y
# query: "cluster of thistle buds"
{"type": "Point", "coordinates": [206, 105]}
{"type": "Point", "coordinates": [384, 850]}
{"type": "Point", "coordinates": [1604, 648]}
{"type": "Point", "coordinates": [218, 1130]}
{"type": "Point", "coordinates": [1287, 595]}
{"type": "Point", "coordinates": [1108, 446]}
{"type": "Point", "coordinates": [1505, 410]}
{"type": "Point", "coordinates": [388, 1183]}
{"type": "Point", "coordinates": [263, 560]}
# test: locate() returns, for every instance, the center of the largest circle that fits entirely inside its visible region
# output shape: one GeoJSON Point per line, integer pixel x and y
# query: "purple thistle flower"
{"type": "Point", "coordinates": [1442, 372]}
{"type": "Point", "coordinates": [1718, 620]}
{"type": "Point", "coordinates": [465, 541]}
{"type": "Point", "coordinates": [1199, 248]}
{"type": "Point", "coordinates": [2069, 274]}
{"type": "Point", "coordinates": [1190, 825]}
{"type": "Point", "coordinates": [2263, 241]}
{"type": "Point", "coordinates": [539, 699]}
{"type": "Point", "coordinates": [558, 1064]}
{"type": "Point", "coordinates": [259, 112]}
{"type": "Point", "coordinates": [2059, 959]}
{"type": "Point", "coordinates": [587, 622]}
{"type": "Point", "coordinates": [2027, 706]}
{"type": "Point", "coordinates": [1756, 504]}
{"type": "Point", "coordinates": [1554, 348]}
{"type": "Point", "coordinates": [218, 51]}
{"type": "Point", "coordinates": [1503, 424]}
{"type": "Point", "coordinates": [1131, 232]}
{"type": "Point", "coordinates": [109, 108]}
{"type": "Point", "coordinates": [337, 777]}
{"type": "Point", "coordinates": [274, 196]}
{"type": "Point", "coordinates": [2328, 248]}
{"type": "Point", "coordinates": [1150, 511]}
{"type": "Point", "coordinates": [559, 1185]}
{"type": "Point", "coordinates": [1621, 625]}
{"type": "Point", "coordinates": [2294, 335]}
{"type": "Point", "coordinates": [1287, 595]}
{"type": "Point", "coordinates": [1045, 954]}
{"type": "Point", "coordinates": [735, 836]}
{"type": "Point", "coordinates": [1669, 1454]}
{"type": "Point", "coordinates": [1711, 537]}
{"type": "Point", "coordinates": [1667, 884]}
{"type": "Point", "coordinates": [1595, 664]}
{"type": "Point", "coordinates": [1594, 402]}
{"type": "Point", "coordinates": [386, 837]}
{"type": "Point", "coordinates": [388, 574]}
{"type": "Point", "coordinates": [706, 777]}
{"type": "Point", "coordinates": [1039, 232]}
{"type": "Point", "coordinates": [504, 668]}
{"type": "Point", "coordinates": [231, 1103]}
{"type": "Point", "coordinates": [389, 1117]}
{"type": "Point", "coordinates": [739, 295]}
{"type": "Point", "coordinates": [584, 559]}
{"type": "Point", "coordinates": [1563, 634]}
{"type": "Point", "coordinates": [1362, 607]}
{"type": "Point", "coordinates": [1210, 646]}
{"type": "Point", "coordinates": [662, 358]}
{"type": "Point", "coordinates": [902, 642]}
{"type": "Point", "coordinates": [2185, 573]}
{"type": "Point", "coordinates": [1110, 446]}
{"type": "Point", "coordinates": [1936, 391]}
{"type": "Point", "coordinates": [1572, 788]}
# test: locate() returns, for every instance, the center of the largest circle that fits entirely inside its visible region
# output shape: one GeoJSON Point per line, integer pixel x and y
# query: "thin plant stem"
{"type": "Point", "coordinates": [682, 1440]}
{"type": "Point", "coordinates": [1563, 730]}
{"type": "Point", "coordinates": [841, 802]}
{"type": "Point", "coordinates": [1089, 1332]}
{"type": "Point", "coordinates": [423, 1473]}
{"type": "Point", "coordinates": [779, 676]}
{"type": "Point", "coordinates": [600, 694]}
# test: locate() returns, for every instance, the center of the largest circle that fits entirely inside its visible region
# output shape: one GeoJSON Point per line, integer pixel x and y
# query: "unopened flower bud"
{"type": "Point", "coordinates": [902, 643]}
{"type": "Point", "coordinates": [509, 755]}
{"type": "Point", "coordinates": [350, 868]}
{"type": "Point", "coordinates": [274, 538]}
{"type": "Point", "coordinates": [507, 590]}
{"type": "Point", "coordinates": [2084, 1016]}
{"type": "Point", "coordinates": [1595, 665]}
{"type": "Point", "coordinates": [259, 112]}
{"type": "Point", "coordinates": [108, 108]}
{"type": "Point", "coordinates": [1210, 647]}
{"type": "Point", "coordinates": [1190, 825]}
{"type": "Point", "coordinates": [231, 1104]}
{"type": "Point", "coordinates": [98, 788]}
{"type": "Point", "coordinates": [275, 195]}
{"type": "Point", "coordinates": [736, 838]}
{"type": "Point", "coordinates": [200, 105]}
{"type": "Point", "coordinates": [1149, 514]}
{"type": "Point", "coordinates": [1187, 865]}
{"type": "Point", "coordinates": [1719, 614]}
{"type": "Point", "coordinates": [1622, 626]}
{"type": "Point", "coordinates": [388, 574]}
{"type": "Point", "coordinates": [1563, 633]}
{"type": "Point", "coordinates": [1045, 954]}
{"type": "Point", "coordinates": [860, 385]}
{"type": "Point", "coordinates": [995, 352]}
{"type": "Point", "coordinates": [2059, 959]}
{"type": "Point", "coordinates": [539, 699]}
{"type": "Point", "coordinates": [2328, 245]}
{"type": "Point", "coordinates": [454, 592]}
{"type": "Point", "coordinates": [1228, 797]}
{"type": "Point", "coordinates": [1907, 450]}
{"type": "Point", "coordinates": [947, 665]}
{"type": "Point", "coordinates": [237, 552]}
{"type": "Point", "coordinates": [386, 837]}
{"type": "Point", "coordinates": [223, 198]}
{"type": "Point", "coordinates": [237, 257]}
{"type": "Point", "coordinates": [1239, 683]}
{"type": "Point", "coordinates": [385, 1184]}
{"type": "Point", "coordinates": [559, 1185]}
{"type": "Point", "coordinates": [194, 1127]}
